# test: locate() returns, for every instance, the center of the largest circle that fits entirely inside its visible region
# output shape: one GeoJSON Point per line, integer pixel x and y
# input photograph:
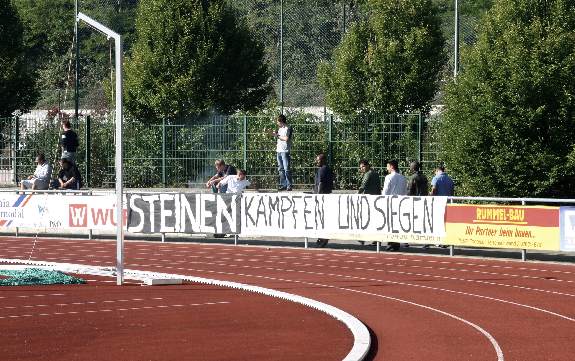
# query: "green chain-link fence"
{"type": "Point", "coordinates": [183, 154]}
{"type": "Point", "coordinates": [311, 30]}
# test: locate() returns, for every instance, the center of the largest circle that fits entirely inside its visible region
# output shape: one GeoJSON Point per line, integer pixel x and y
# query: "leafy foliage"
{"type": "Point", "coordinates": [17, 90]}
{"type": "Point", "coordinates": [193, 56]}
{"type": "Point", "coordinates": [509, 127]}
{"type": "Point", "coordinates": [388, 63]}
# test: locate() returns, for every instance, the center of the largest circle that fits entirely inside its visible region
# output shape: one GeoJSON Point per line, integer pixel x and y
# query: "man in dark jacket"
{"type": "Point", "coordinates": [323, 184]}
{"type": "Point", "coordinates": [370, 183]}
{"type": "Point", "coordinates": [418, 184]}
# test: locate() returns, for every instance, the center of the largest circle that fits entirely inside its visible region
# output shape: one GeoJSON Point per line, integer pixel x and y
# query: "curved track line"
{"type": "Point", "coordinates": [491, 339]}
{"type": "Point", "coordinates": [361, 337]}
{"type": "Point", "coordinates": [379, 270]}
{"type": "Point", "coordinates": [533, 308]}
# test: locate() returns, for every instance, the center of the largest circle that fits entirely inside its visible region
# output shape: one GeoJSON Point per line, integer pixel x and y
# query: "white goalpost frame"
{"type": "Point", "coordinates": [119, 161]}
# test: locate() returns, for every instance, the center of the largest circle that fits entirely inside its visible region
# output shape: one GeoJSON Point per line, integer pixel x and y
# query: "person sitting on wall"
{"type": "Point", "coordinates": [236, 183]}
{"type": "Point", "coordinates": [222, 170]}
{"type": "Point", "coordinates": [69, 177]}
{"type": "Point", "coordinates": [40, 180]}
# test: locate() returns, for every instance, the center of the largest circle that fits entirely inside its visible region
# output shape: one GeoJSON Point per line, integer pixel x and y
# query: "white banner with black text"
{"type": "Point", "coordinates": [345, 216]}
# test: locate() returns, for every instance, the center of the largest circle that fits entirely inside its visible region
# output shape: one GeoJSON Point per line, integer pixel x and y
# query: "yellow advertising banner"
{"type": "Point", "coordinates": [491, 226]}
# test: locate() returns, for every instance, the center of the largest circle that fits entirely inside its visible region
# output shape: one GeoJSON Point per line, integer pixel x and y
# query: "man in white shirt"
{"type": "Point", "coordinates": [236, 183]}
{"type": "Point", "coordinates": [395, 184]}
{"type": "Point", "coordinates": [41, 178]}
{"type": "Point", "coordinates": [283, 147]}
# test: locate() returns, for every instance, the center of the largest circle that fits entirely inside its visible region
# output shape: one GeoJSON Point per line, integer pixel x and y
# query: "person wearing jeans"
{"type": "Point", "coordinates": [283, 147]}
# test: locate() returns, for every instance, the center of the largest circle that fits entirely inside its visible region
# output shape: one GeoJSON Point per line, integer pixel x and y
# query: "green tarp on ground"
{"type": "Point", "coordinates": [36, 276]}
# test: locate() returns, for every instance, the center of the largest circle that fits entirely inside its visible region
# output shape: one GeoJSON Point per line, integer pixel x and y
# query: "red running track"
{"type": "Point", "coordinates": [417, 307]}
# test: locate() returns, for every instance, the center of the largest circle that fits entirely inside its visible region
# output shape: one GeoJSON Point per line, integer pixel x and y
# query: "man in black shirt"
{"type": "Point", "coordinates": [323, 184]}
{"type": "Point", "coordinates": [68, 141]}
{"type": "Point", "coordinates": [69, 176]}
{"type": "Point", "coordinates": [418, 183]}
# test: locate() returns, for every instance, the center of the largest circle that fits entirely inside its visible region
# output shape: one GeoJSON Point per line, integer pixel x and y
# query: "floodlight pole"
{"type": "Point", "coordinates": [77, 64]}
{"type": "Point", "coordinates": [119, 161]}
{"type": "Point", "coordinates": [281, 57]}
{"type": "Point", "coordinates": [456, 45]}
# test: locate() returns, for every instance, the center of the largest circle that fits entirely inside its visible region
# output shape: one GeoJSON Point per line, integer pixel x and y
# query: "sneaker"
{"type": "Point", "coordinates": [282, 188]}
{"type": "Point", "coordinates": [322, 242]}
{"type": "Point", "coordinates": [289, 188]}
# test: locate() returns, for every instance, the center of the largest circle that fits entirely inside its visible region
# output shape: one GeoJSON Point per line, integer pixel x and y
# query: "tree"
{"type": "Point", "coordinates": [48, 40]}
{"type": "Point", "coordinates": [17, 88]}
{"type": "Point", "coordinates": [508, 127]}
{"type": "Point", "coordinates": [193, 56]}
{"type": "Point", "coordinates": [387, 63]}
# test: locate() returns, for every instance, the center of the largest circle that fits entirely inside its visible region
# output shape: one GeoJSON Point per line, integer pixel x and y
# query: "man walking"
{"type": "Point", "coordinates": [323, 184]}
{"type": "Point", "coordinates": [283, 147]}
{"type": "Point", "coordinates": [394, 184]}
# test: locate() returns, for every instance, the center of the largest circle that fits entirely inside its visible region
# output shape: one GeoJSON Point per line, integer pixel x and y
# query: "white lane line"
{"type": "Point", "coordinates": [80, 303]}
{"type": "Point", "coordinates": [532, 308]}
{"type": "Point", "coordinates": [373, 270]}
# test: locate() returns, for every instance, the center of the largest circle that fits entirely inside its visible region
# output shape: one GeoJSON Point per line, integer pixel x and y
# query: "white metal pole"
{"type": "Point", "coordinates": [119, 161]}
{"type": "Point", "coordinates": [119, 167]}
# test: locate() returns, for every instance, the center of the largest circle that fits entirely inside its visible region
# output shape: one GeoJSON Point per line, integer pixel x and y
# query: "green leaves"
{"type": "Point", "coordinates": [508, 128]}
{"type": "Point", "coordinates": [191, 57]}
{"type": "Point", "coordinates": [17, 89]}
{"type": "Point", "coordinates": [389, 63]}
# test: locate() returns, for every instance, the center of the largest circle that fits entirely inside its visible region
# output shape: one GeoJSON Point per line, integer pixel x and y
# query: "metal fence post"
{"type": "Point", "coordinates": [245, 142]}
{"type": "Point", "coordinates": [87, 147]}
{"type": "Point", "coordinates": [164, 152]}
{"type": "Point", "coordinates": [330, 140]}
{"type": "Point", "coordinates": [16, 141]}
{"type": "Point", "coordinates": [420, 139]}
{"type": "Point", "coordinates": [523, 251]}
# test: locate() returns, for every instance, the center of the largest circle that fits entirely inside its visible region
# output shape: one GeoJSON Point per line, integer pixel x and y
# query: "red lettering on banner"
{"type": "Point", "coordinates": [78, 215]}
{"type": "Point", "coordinates": [101, 216]}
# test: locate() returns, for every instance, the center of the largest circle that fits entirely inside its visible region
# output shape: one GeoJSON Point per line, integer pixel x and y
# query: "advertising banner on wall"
{"type": "Point", "coordinates": [492, 226]}
{"type": "Point", "coordinates": [567, 224]}
{"type": "Point", "coordinates": [26, 210]}
{"type": "Point", "coordinates": [344, 216]}
{"type": "Point", "coordinates": [184, 213]}
{"type": "Point", "coordinates": [58, 211]}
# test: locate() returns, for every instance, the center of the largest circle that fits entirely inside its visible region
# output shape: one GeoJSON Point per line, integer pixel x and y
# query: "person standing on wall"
{"type": "Point", "coordinates": [395, 184]}
{"type": "Point", "coordinates": [323, 184]}
{"type": "Point", "coordinates": [283, 147]}
{"type": "Point", "coordinates": [68, 141]}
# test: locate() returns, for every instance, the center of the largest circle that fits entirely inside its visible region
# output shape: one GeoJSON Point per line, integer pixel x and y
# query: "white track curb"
{"type": "Point", "coordinates": [361, 338]}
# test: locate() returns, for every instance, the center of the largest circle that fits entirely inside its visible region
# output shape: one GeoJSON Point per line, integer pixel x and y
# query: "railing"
{"type": "Point", "coordinates": [497, 204]}
{"type": "Point", "coordinates": [181, 154]}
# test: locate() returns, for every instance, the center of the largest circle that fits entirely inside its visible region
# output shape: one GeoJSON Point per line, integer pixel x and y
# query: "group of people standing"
{"type": "Point", "coordinates": [227, 179]}
{"type": "Point", "coordinates": [394, 184]}
{"type": "Point", "coordinates": [69, 176]}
